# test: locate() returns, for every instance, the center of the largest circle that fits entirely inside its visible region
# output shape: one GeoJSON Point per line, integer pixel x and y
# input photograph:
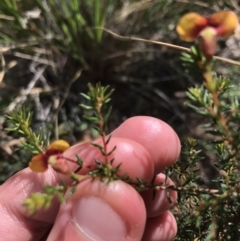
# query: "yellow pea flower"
{"type": "Point", "coordinates": [39, 163]}
{"type": "Point", "coordinates": [193, 25]}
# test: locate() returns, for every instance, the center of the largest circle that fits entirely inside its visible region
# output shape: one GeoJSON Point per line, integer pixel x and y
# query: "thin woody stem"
{"type": "Point", "coordinates": [220, 118]}
{"type": "Point", "coordinates": [101, 127]}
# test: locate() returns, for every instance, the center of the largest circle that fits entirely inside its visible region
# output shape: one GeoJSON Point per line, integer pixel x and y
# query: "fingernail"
{"type": "Point", "coordinates": [97, 220]}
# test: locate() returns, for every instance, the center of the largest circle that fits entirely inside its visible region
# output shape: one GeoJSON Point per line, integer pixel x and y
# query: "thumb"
{"type": "Point", "coordinates": [101, 211]}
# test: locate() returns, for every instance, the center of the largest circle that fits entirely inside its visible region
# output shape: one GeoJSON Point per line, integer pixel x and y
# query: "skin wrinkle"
{"type": "Point", "coordinates": [22, 187]}
{"type": "Point", "coordinates": [12, 214]}
{"type": "Point", "coordinates": [45, 220]}
{"type": "Point", "coordinates": [168, 227]}
{"type": "Point", "coordinates": [37, 184]}
{"type": "Point", "coordinates": [11, 209]}
{"type": "Point", "coordinates": [65, 220]}
{"type": "Point", "coordinates": [163, 231]}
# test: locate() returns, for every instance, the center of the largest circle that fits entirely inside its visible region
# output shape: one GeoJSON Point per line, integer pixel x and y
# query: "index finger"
{"type": "Point", "coordinates": [158, 138]}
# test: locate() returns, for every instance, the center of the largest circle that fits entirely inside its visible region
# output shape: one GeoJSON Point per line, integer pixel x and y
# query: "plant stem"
{"type": "Point", "coordinates": [101, 128]}
{"type": "Point", "coordinates": [221, 120]}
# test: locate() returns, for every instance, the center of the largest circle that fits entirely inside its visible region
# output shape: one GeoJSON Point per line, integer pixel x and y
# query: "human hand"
{"type": "Point", "coordinates": [98, 211]}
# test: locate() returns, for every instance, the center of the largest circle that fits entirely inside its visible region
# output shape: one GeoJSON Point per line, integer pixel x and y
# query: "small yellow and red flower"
{"type": "Point", "coordinates": [39, 163]}
{"type": "Point", "coordinates": [192, 26]}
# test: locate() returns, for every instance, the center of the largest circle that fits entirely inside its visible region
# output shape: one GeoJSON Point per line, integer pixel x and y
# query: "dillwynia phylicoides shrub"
{"type": "Point", "coordinates": [202, 213]}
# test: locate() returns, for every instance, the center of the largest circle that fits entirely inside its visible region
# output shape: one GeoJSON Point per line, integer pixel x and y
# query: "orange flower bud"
{"type": "Point", "coordinates": [190, 25]}
{"type": "Point", "coordinates": [208, 42]}
{"type": "Point", "coordinates": [39, 163]}
{"type": "Point", "coordinates": [225, 23]}
{"type": "Point", "coordinates": [59, 165]}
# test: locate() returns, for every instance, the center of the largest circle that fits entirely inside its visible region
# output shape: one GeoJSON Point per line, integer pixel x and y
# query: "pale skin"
{"type": "Point", "coordinates": [96, 211]}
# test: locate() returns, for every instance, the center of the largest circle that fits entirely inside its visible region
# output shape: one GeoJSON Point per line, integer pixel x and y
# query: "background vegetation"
{"type": "Point", "coordinates": [50, 50]}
